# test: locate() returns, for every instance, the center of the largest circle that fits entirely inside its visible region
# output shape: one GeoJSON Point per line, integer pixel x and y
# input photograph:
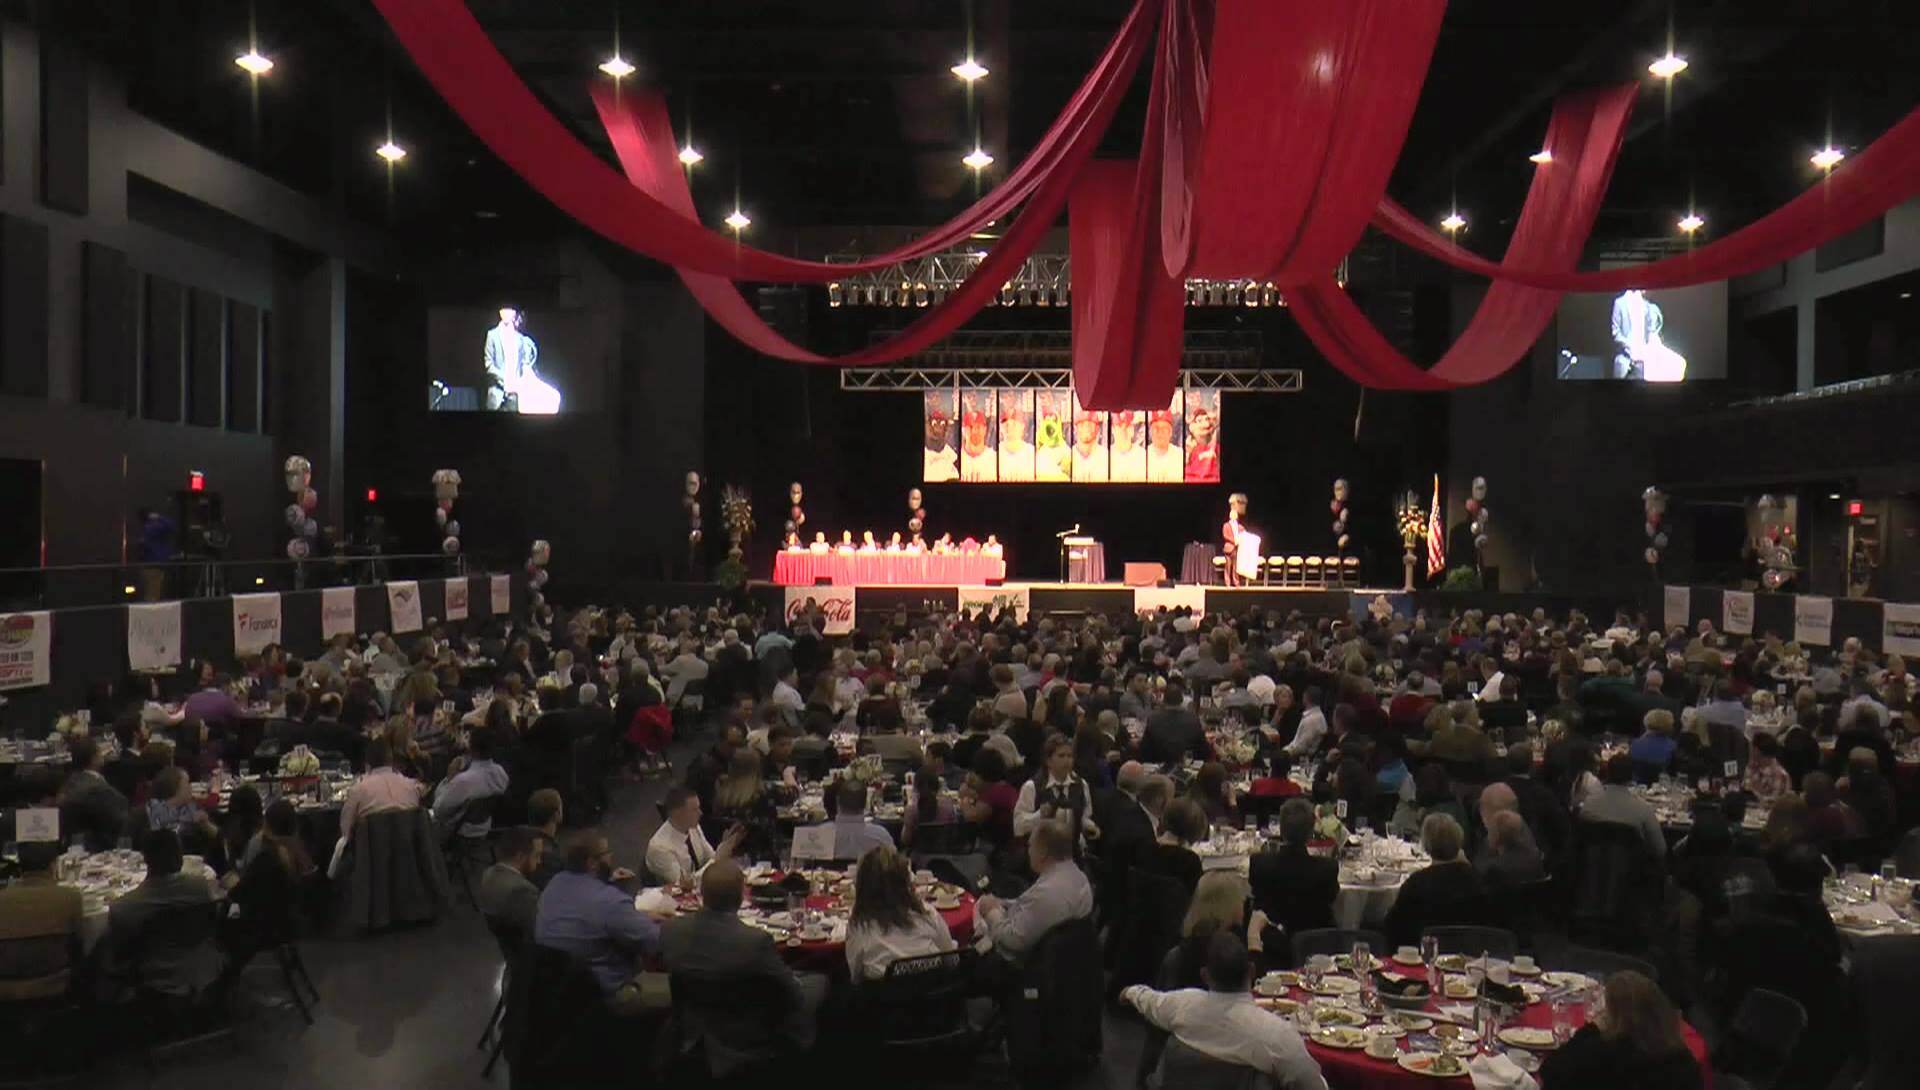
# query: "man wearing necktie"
{"type": "Point", "coordinates": [679, 849]}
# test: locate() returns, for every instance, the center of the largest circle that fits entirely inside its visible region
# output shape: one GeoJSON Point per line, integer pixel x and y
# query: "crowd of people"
{"type": "Point", "coordinates": [1082, 762]}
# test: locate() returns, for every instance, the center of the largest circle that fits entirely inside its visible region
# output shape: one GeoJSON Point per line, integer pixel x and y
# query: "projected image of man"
{"type": "Point", "coordinates": [1639, 352]}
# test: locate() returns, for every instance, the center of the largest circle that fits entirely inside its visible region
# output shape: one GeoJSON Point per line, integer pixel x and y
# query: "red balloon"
{"type": "Point", "coordinates": [1472, 506]}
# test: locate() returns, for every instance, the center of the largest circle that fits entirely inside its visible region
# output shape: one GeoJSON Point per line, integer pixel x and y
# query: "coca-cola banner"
{"type": "Point", "coordinates": [994, 599]}
{"type": "Point", "coordinates": [1153, 599]}
{"type": "Point", "coordinates": [833, 604]}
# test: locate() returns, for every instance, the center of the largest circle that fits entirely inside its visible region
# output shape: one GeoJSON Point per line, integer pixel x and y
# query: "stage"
{"type": "Point", "coordinates": [1072, 599]}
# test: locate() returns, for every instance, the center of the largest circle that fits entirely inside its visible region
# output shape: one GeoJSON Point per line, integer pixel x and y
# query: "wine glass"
{"type": "Point", "coordinates": [1362, 959]}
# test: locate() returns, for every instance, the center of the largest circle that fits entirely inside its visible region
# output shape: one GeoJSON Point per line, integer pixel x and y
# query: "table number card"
{"type": "Point", "coordinates": [37, 826]}
{"type": "Point", "coordinates": [813, 842]}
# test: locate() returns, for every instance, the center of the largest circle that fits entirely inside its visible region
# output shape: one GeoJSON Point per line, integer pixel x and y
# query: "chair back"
{"type": "Point", "coordinates": [555, 1017]}
{"type": "Point", "coordinates": [1599, 964]}
{"type": "Point", "coordinates": [399, 874]}
{"type": "Point", "coordinates": [919, 1005]}
{"type": "Point", "coordinates": [1474, 940]}
{"type": "Point", "coordinates": [508, 936]}
{"type": "Point", "coordinates": [1336, 940]}
{"type": "Point", "coordinates": [1769, 1024]}
{"type": "Point", "coordinates": [1054, 1006]}
{"type": "Point", "coordinates": [1906, 856]}
{"type": "Point", "coordinates": [1156, 905]}
{"type": "Point", "coordinates": [172, 935]}
{"type": "Point", "coordinates": [734, 1020]}
{"type": "Point", "coordinates": [478, 810]}
{"type": "Point", "coordinates": [1531, 909]}
{"type": "Point", "coordinates": [1618, 887]}
{"type": "Point", "coordinates": [1190, 1069]}
{"type": "Point", "coordinates": [941, 837]}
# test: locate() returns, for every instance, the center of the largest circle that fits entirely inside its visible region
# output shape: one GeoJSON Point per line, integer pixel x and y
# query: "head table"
{"type": "Point", "coordinates": [847, 569]}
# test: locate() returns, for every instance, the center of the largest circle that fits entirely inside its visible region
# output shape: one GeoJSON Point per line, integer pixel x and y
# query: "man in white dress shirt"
{"type": "Point", "coordinates": [1223, 1023]}
{"type": "Point", "coordinates": [679, 850]}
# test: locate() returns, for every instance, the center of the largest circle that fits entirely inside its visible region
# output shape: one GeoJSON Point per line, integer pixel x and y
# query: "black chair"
{"type": "Point", "coordinates": [1184, 1068]}
{"type": "Point", "coordinates": [1532, 911]}
{"type": "Point", "coordinates": [1053, 1006]}
{"type": "Point", "coordinates": [1906, 855]}
{"type": "Point", "coordinates": [918, 1011]}
{"type": "Point", "coordinates": [167, 1019]}
{"type": "Point", "coordinates": [510, 939]}
{"type": "Point", "coordinates": [1474, 940]}
{"type": "Point", "coordinates": [462, 848]}
{"type": "Point", "coordinates": [1766, 1028]}
{"type": "Point", "coordinates": [1883, 971]}
{"type": "Point", "coordinates": [557, 1029]}
{"type": "Point", "coordinates": [1599, 964]}
{"type": "Point", "coordinates": [1336, 940]}
{"type": "Point", "coordinates": [1857, 851]}
{"type": "Point", "coordinates": [699, 1054]}
{"type": "Point", "coordinates": [1156, 905]}
{"type": "Point", "coordinates": [1618, 888]}
{"type": "Point", "coordinates": [940, 837]}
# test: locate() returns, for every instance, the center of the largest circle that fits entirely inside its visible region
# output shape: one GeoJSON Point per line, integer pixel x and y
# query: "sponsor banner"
{"type": "Point", "coordinates": [337, 612]}
{"type": "Point", "coordinates": [834, 603]}
{"type": "Point", "coordinates": [997, 599]}
{"type": "Point", "coordinates": [24, 641]}
{"type": "Point", "coordinates": [1900, 629]}
{"type": "Point", "coordinates": [403, 606]}
{"type": "Point", "coordinates": [1813, 620]}
{"type": "Point", "coordinates": [500, 594]}
{"type": "Point", "coordinates": [1736, 612]}
{"type": "Point", "coordinates": [456, 599]}
{"type": "Point", "coordinates": [153, 636]}
{"type": "Point", "coordinates": [1679, 604]}
{"type": "Point", "coordinates": [1151, 599]}
{"type": "Point", "coordinates": [256, 622]}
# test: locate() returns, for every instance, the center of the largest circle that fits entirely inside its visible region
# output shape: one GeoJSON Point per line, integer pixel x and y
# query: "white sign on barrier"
{"type": "Point", "coordinates": [153, 636]}
{"type": "Point", "coordinates": [1813, 620]}
{"type": "Point", "coordinates": [1736, 612]}
{"type": "Point", "coordinates": [256, 622]}
{"type": "Point", "coordinates": [403, 606]}
{"type": "Point", "coordinates": [1678, 607]}
{"type": "Point", "coordinates": [336, 612]}
{"type": "Point", "coordinates": [834, 603]}
{"type": "Point", "coordinates": [1900, 628]}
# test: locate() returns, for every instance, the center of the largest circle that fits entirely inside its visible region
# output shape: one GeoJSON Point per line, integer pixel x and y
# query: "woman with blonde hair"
{"type": "Point", "coordinates": [1634, 1041]}
{"type": "Point", "coordinates": [1219, 904]}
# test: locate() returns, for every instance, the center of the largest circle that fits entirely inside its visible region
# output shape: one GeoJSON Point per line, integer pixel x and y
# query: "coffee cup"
{"type": "Point", "coordinates": [1498, 973]}
{"type": "Point", "coordinates": [1407, 953]}
{"type": "Point", "coordinates": [1320, 963]}
{"type": "Point", "coordinates": [1524, 963]}
{"type": "Point", "coordinates": [1382, 1047]}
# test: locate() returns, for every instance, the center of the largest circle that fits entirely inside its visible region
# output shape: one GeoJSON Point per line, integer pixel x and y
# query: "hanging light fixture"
{"type": "Point", "coordinates": [1454, 222]}
{"type": "Point", "coordinates": [738, 220]}
{"type": "Point", "coordinates": [1541, 157]}
{"type": "Point", "coordinates": [617, 67]}
{"type": "Point", "coordinates": [978, 159]}
{"type": "Point", "coordinates": [1691, 222]}
{"type": "Point", "coordinates": [391, 151]}
{"type": "Point", "coordinates": [254, 63]}
{"type": "Point", "coordinates": [1668, 66]}
{"type": "Point", "coordinates": [1827, 158]}
{"type": "Point", "coordinates": [690, 155]}
{"type": "Point", "coordinates": [969, 70]}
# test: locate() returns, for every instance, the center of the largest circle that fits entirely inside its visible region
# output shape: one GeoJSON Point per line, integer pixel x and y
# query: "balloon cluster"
{"type": "Point", "coordinates": [300, 519]}
{"type": "Point", "coordinates": [917, 517]}
{"type": "Point", "coordinates": [691, 501]}
{"type": "Point", "coordinates": [1776, 543]}
{"type": "Point", "coordinates": [446, 489]}
{"type": "Point", "coordinates": [1477, 511]}
{"type": "Point", "coordinates": [537, 558]}
{"type": "Point", "coordinates": [796, 514]}
{"type": "Point", "coordinates": [1655, 501]}
{"type": "Point", "coordinates": [1339, 508]}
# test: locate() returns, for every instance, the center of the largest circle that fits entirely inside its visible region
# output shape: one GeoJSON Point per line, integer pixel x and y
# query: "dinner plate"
{"type": "Point", "coordinates": [1410, 1021]}
{"type": "Point", "coordinates": [1447, 1031]}
{"type": "Point", "coordinates": [1437, 1065]}
{"type": "Point", "coordinates": [1459, 987]}
{"type": "Point", "coordinates": [1554, 978]}
{"type": "Point", "coordinates": [1336, 985]}
{"type": "Point", "coordinates": [1532, 970]}
{"type": "Point", "coordinates": [1344, 962]}
{"type": "Point", "coordinates": [1452, 963]}
{"type": "Point", "coordinates": [1531, 1037]}
{"type": "Point", "coordinates": [1413, 961]}
{"type": "Point", "coordinates": [1345, 1037]}
{"type": "Point", "coordinates": [1276, 1004]}
{"type": "Point", "coordinates": [1387, 1029]}
{"type": "Point", "coordinates": [1337, 1016]}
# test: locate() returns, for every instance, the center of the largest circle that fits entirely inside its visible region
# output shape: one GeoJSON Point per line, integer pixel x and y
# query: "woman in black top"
{"type": "Point", "coordinates": [1172, 855]}
{"type": "Point", "coordinates": [1635, 1042]}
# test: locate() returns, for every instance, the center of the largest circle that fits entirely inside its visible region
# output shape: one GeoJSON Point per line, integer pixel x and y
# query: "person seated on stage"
{"type": "Point", "coordinates": [992, 547]}
{"type": "Point", "coordinates": [1058, 895]}
{"type": "Point", "coordinates": [846, 541]}
{"type": "Point", "coordinates": [1223, 1023]}
{"type": "Point", "coordinates": [893, 543]}
{"type": "Point", "coordinates": [793, 544]}
{"type": "Point", "coordinates": [867, 542]}
{"type": "Point", "coordinates": [819, 546]}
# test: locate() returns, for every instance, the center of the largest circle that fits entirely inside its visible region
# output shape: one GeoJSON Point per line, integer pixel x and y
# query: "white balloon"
{"type": "Point", "coordinates": [453, 528]}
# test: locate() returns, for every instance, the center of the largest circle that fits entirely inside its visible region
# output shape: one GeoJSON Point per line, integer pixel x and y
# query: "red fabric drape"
{"type": "Point", "coordinates": [643, 141]}
{"type": "Point", "coordinates": [1584, 135]}
{"type": "Point", "coordinates": [1307, 105]}
{"type": "Point", "coordinates": [1883, 175]}
{"type": "Point", "coordinates": [454, 53]}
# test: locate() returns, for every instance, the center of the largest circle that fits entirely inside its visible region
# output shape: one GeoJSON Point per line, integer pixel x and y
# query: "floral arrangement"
{"type": "Point", "coordinates": [1240, 751]}
{"type": "Point", "coordinates": [736, 514]}
{"type": "Point", "coordinates": [299, 761]}
{"type": "Point", "coordinates": [1327, 824]}
{"type": "Point", "coordinates": [1411, 520]}
{"type": "Point", "coordinates": [865, 769]}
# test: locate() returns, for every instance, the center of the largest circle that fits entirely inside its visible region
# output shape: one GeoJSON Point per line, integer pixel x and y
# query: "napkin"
{"type": "Point", "coordinates": [1459, 1012]}
{"type": "Point", "coordinates": [656, 901]}
{"type": "Point", "coordinates": [1496, 1072]}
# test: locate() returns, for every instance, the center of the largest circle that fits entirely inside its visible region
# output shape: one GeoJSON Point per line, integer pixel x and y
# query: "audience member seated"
{"type": "Point", "coordinates": [1171, 854]}
{"type": "Point", "coordinates": [1652, 752]}
{"type": "Point", "coordinates": [889, 921]}
{"type": "Point", "coordinates": [1060, 893]}
{"type": "Point", "coordinates": [1434, 895]}
{"type": "Point", "coordinates": [507, 892]}
{"type": "Point", "coordinates": [1766, 778]}
{"type": "Point", "coordinates": [1219, 905]}
{"type": "Point", "coordinates": [582, 913]}
{"type": "Point", "coordinates": [1222, 1021]}
{"type": "Point", "coordinates": [381, 789]}
{"type": "Point", "coordinates": [679, 849]}
{"type": "Point", "coordinates": [39, 929]}
{"type": "Point", "coordinates": [987, 800]}
{"type": "Point", "coordinates": [1866, 791]}
{"type": "Point", "coordinates": [90, 807]}
{"type": "Point", "coordinates": [1830, 820]}
{"type": "Point", "coordinates": [1432, 794]}
{"type": "Point", "coordinates": [264, 894]}
{"type": "Point", "coordinates": [854, 835]}
{"type": "Point", "coordinates": [162, 967]}
{"type": "Point", "coordinates": [1511, 858]}
{"type": "Point", "coordinates": [927, 804]}
{"type": "Point", "coordinates": [1633, 1041]}
{"type": "Point", "coordinates": [1617, 803]}
{"type": "Point", "coordinates": [715, 948]}
{"type": "Point", "coordinates": [1294, 888]}
{"type": "Point", "coordinates": [482, 778]}
{"type": "Point", "coordinates": [1173, 731]}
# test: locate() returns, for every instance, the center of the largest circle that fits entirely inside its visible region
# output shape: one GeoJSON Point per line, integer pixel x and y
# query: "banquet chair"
{"type": "Point", "coordinates": [1219, 569]}
{"type": "Point", "coordinates": [1350, 571]}
{"type": "Point", "coordinates": [1599, 964]}
{"type": "Point", "coordinates": [1313, 575]}
{"type": "Point", "coordinates": [462, 848]}
{"type": "Point", "coordinates": [510, 939]}
{"type": "Point", "coordinates": [1618, 889]}
{"type": "Point", "coordinates": [918, 1010]}
{"type": "Point", "coordinates": [397, 872]}
{"type": "Point", "coordinates": [1765, 1030]}
{"type": "Point", "coordinates": [1906, 856]}
{"type": "Point", "coordinates": [556, 1026]}
{"type": "Point", "coordinates": [1883, 971]}
{"type": "Point", "coordinates": [1053, 1007]}
{"type": "Point", "coordinates": [1335, 940]}
{"type": "Point", "coordinates": [708, 1011]}
{"type": "Point", "coordinates": [1296, 572]}
{"type": "Point", "coordinates": [1184, 1068]}
{"type": "Point", "coordinates": [1474, 940]}
{"type": "Point", "coordinates": [1156, 904]}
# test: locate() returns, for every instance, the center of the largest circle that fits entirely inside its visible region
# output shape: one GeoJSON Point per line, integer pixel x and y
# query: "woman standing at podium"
{"type": "Point", "coordinates": [1230, 536]}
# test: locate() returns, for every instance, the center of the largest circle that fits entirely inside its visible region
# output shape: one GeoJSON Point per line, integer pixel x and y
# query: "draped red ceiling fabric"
{"type": "Point", "coordinates": [1306, 107]}
{"type": "Point", "coordinates": [455, 54]}
{"type": "Point", "coordinates": [1129, 313]}
{"type": "Point", "coordinates": [1584, 136]}
{"type": "Point", "coordinates": [1885, 174]}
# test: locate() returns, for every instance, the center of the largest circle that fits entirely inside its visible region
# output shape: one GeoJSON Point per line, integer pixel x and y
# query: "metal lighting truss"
{"type": "Point", "coordinates": [1228, 361]}
{"type": "Point", "coordinates": [1044, 280]}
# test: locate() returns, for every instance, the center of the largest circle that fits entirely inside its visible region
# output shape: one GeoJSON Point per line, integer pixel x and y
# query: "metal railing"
{"type": "Point", "coordinates": [72, 585]}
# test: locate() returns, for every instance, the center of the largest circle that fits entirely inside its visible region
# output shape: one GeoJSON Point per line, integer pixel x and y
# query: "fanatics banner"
{"type": "Point", "coordinates": [153, 636]}
{"type": "Point", "coordinates": [336, 612]}
{"type": "Point", "coordinates": [256, 622]}
{"type": "Point", "coordinates": [403, 606]}
{"type": "Point", "coordinates": [24, 642]}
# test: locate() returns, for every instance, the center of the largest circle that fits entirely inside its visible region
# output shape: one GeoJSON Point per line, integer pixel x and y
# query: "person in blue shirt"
{"type": "Point", "coordinates": [1652, 752]}
{"type": "Point", "coordinates": [584, 914]}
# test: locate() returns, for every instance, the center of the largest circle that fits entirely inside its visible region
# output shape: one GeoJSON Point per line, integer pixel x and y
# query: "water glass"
{"type": "Point", "coordinates": [1430, 953]}
{"type": "Point", "coordinates": [1362, 956]}
{"type": "Point", "coordinates": [1562, 1018]}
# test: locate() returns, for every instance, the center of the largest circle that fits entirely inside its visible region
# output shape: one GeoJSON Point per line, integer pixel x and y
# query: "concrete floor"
{"type": "Point", "coordinates": [404, 1009]}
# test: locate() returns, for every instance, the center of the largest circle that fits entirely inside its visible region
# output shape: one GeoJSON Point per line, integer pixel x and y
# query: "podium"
{"type": "Point", "coordinates": [1082, 560]}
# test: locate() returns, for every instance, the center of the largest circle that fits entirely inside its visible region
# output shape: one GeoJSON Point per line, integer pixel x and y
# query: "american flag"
{"type": "Point", "coordinates": [1436, 535]}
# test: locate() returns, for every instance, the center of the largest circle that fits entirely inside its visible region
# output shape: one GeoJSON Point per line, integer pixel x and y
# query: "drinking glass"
{"type": "Point", "coordinates": [1562, 1018]}
{"type": "Point", "coordinates": [1430, 953]}
{"type": "Point", "coordinates": [1362, 955]}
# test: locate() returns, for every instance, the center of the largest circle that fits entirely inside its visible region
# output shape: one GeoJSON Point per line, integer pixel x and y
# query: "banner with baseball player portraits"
{"type": "Point", "coordinates": [1048, 437]}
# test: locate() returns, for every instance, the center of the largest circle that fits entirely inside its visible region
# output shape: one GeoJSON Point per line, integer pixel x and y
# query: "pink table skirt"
{"type": "Point", "coordinates": [875, 569]}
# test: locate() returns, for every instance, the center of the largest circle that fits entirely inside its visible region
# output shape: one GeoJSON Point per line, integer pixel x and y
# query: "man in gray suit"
{"type": "Point", "coordinates": [713, 949]}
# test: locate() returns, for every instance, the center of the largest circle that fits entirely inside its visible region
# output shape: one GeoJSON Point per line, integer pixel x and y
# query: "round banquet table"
{"type": "Point", "coordinates": [1353, 1069]}
{"type": "Point", "coordinates": [804, 569]}
{"type": "Point", "coordinates": [830, 954]}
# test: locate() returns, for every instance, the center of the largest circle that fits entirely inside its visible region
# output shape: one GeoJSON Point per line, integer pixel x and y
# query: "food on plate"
{"type": "Point", "coordinates": [1340, 1037]}
{"type": "Point", "coordinates": [1276, 1004]}
{"type": "Point", "coordinates": [1452, 963]}
{"type": "Point", "coordinates": [1527, 1037]}
{"type": "Point", "coordinates": [1338, 1016]}
{"type": "Point", "coordinates": [1410, 1020]}
{"type": "Point", "coordinates": [1337, 985]}
{"type": "Point", "coordinates": [1437, 1064]}
{"type": "Point", "coordinates": [1459, 987]}
{"type": "Point", "coordinates": [1447, 1031]}
{"type": "Point", "coordinates": [1557, 979]}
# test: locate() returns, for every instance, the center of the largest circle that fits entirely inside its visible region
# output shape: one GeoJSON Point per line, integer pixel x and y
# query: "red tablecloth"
{"type": "Point", "coordinates": [825, 955]}
{"type": "Point", "coordinates": [1352, 1069]}
{"type": "Point", "coordinates": [791, 569]}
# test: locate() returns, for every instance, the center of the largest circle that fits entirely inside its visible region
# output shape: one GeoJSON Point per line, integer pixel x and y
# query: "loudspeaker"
{"type": "Point", "coordinates": [823, 580]}
{"type": "Point", "coordinates": [1000, 582]}
{"type": "Point", "coordinates": [1165, 583]}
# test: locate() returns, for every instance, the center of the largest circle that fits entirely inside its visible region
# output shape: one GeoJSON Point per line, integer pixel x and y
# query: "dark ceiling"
{"type": "Point", "coordinates": [843, 114]}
